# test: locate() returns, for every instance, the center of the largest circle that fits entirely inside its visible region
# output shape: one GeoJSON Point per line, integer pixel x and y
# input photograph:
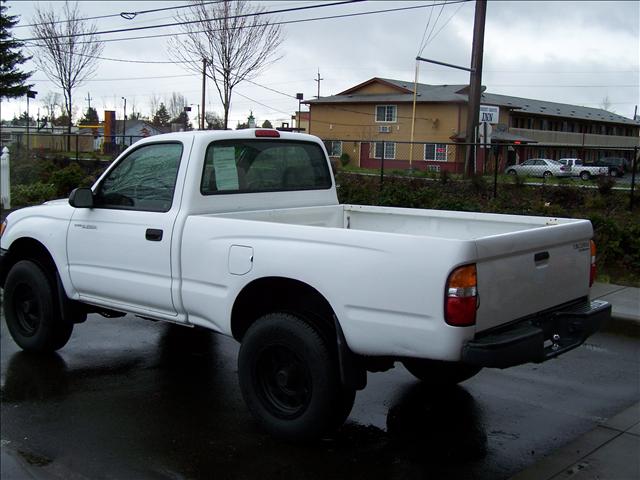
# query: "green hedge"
{"type": "Point", "coordinates": [616, 230]}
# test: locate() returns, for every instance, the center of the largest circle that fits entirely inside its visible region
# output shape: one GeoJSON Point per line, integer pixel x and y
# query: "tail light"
{"type": "Point", "coordinates": [461, 297]}
{"type": "Point", "coordinates": [592, 271]}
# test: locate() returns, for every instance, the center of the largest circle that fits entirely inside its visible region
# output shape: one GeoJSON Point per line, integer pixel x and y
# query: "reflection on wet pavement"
{"type": "Point", "coordinates": [130, 399]}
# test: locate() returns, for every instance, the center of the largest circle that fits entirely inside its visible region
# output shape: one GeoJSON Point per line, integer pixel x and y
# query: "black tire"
{"type": "Point", "coordinates": [585, 176]}
{"type": "Point", "coordinates": [31, 310]}
{"type": "Point", "coordinates": [438, 372]}
{"type": "Point", "coordinates": [512, 172]}
{"type": "Point", "coordinates": [547, 174]}
{"type": "Point", "coordinates": [614, 172]}
{"type": "Point", "coordinates": [289, 379]}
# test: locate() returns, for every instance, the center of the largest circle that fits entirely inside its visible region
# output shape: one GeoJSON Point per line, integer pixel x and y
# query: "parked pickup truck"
{"type": "Point", "coordinates": [585, 172]}
{"type": "Point", "coordinates": [241, 232]}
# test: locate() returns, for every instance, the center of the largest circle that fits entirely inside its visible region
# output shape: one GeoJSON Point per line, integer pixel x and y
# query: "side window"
{"type": "Point", "coordinates": [144, 180]}
{"type": "Point", "coordinates": [242, 166]}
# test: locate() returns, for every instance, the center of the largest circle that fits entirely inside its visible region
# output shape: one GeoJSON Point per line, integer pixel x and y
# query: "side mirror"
{"type": "Point", "coordinates": [81, 198]}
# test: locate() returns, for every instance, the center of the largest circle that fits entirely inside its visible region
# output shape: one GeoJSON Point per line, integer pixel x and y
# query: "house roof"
{"type": "Point", "coordinates": [459, 94]}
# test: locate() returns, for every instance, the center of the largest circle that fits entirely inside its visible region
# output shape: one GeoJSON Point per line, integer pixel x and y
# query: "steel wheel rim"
{"type": "Point", "coordinates": [27, 310]}
{"type": "Point", "coordinates": [283, 381]}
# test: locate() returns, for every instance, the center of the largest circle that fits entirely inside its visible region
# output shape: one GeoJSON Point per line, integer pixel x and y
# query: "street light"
{"type": "Point", "coordinates": [124, 122]}
{"type": "Point", "coordinates": [299, 97]}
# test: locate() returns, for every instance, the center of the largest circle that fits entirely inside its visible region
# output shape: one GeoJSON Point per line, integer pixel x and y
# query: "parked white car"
{"type": "Point", "coordinates": [540, 167]}
{"type": "Point", "coordinates": [241, 232]}
{"type": "Point", "coordinates": [585, 172]}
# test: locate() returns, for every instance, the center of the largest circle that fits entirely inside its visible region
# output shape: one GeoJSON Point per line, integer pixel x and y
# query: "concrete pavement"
{"type": "Point", "coordinates": [611, 451]}
{"type": "Point", "coordinates": [625, 315]}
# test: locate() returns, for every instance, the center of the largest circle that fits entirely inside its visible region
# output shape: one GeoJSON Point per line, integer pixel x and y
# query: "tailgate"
{"type": "Point", "coordinates": [526, 272]}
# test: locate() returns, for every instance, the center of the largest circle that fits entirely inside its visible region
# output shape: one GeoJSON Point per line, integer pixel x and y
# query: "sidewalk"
{"type": "Point", "coordinates": [625, 315]}
{"type": "Point", "coordinates": [611, 451]}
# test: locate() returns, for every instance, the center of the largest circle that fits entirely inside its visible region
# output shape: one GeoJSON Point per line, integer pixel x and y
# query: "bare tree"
{"type": "Point", "coordinates": [213, 121]}
{"type": "Point", "coordinates": [232, 37]}
{"type": "Point", "coordinates": [52, 103]}
{"type": "Point", "coordinates": [67, 50]}
{"type": "Point", "coordinates": [176, 104]}
{"type": "Point", "coordinates": [606, 105]}
{"type": "Point", "coordinates": [154, 103]}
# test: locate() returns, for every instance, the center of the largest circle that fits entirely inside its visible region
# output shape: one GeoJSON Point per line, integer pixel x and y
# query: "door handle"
{"type": "Point", "coordinates": [541, 257]}
{"type": "Point", "coordinates": [153, 234]}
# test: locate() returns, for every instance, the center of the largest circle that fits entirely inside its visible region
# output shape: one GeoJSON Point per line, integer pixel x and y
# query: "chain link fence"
{"type": "Point", "coordinates": [503, 163]}
{"type": "Point", "coordinates": [75, 146]}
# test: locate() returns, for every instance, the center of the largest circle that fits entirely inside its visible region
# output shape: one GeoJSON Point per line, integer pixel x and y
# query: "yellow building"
{"type": "Point", "coordinates": [373, 121]}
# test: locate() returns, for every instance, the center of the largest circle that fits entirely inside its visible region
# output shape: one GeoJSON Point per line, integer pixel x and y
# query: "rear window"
{"type": "Point", "coordinates": [243, 166]}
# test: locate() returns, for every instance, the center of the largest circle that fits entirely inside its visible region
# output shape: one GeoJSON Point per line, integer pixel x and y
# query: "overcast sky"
{"type": "Point", "coordinates": [570, 52]}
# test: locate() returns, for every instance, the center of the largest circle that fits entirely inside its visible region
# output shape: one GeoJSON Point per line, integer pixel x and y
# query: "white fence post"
{"type": "Point", "coordinates": [5, 181]}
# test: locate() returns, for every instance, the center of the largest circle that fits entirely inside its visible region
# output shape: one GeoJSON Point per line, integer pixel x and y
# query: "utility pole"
{"type": "Point", "coordinates": [204, 86]}
{"type": "Point", "coordinates": [124, 123]}
{"type": "Point", "coordinates": [475, 83]}
{"type": "Point", "coordinates": [317, 80]}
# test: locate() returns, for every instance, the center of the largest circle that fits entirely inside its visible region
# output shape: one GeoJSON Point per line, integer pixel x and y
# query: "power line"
{"type": "Point", "coordinates": [125, 15]}
{"type": "Point", "coordinates": [445, 24]}
{"type": "Point", "coordinates": [123, 79]}
{"type": "Point", "coordinates": [424, 34]}
{"type": "Point", "coordinates": [283, 22]}
{"type": "Point", "coordinates": [190, 22]}
{"type": "Point", "coordinates": [434, 26]}
{"type": "Point", "coordinates": [260, 103]}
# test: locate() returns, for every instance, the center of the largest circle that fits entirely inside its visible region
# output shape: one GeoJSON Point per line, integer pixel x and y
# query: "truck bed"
{"type": "Point", "coordinates": [525, 264]}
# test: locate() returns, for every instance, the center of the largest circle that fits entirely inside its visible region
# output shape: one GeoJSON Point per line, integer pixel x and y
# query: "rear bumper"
{"type": "Point", "coordinates": [539, 338]}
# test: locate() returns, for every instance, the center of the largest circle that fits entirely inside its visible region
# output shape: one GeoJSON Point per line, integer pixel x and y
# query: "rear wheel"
{"type": "Point", "coordinates": [614, 172]}
{"type": "Point", "coordinates": [31, 310]}
{"type": "Point", "coordinates": [585, 175]}
{"type": "Point", "coordinates": [289, 378]}
{"type": "Point", "coordinates": [438, 372]}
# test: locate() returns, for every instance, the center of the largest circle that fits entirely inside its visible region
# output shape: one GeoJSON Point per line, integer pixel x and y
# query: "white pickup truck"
{"type": "Point", "coordinates": [585, 172]}
{"type": "Point", "coordinates": [241, 233]}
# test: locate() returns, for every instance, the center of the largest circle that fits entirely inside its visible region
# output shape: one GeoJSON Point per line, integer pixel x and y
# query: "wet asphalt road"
{"type": "Point", "coordinates": [133, 399]}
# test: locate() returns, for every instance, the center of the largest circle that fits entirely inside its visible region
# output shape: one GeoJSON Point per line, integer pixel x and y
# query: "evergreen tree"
{"type": "Point", "coordinates": [90, 117]}
{"type": "Point", "coordinates": [11, 78]}
{"type": "Point", "coordinates": [267, 124]}
{"type": "Point", "coordinates": [23, 120]}
{"type": "Point", "coordinates": [161, 117]}
{"type": "Point", "coordinates": [183, 120]}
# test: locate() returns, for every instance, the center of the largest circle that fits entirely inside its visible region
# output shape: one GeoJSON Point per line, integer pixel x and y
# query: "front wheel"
{"type": "Point", "coordinates": [289, 378]}
{"type": "Point", "coordinates": [31, 310]}
{"type": "Point", "coordinates": [547, 174]}
{"type": "Point", "coordinates": [512, 172]}
{"type": "Point", "coordinates": [439, 372]}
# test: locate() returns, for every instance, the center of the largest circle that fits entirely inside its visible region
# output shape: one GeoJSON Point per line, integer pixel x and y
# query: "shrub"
{"type": "Point", "coordinates": [605, 184]}
{"type": "Point", "coordinates": [67, 179]}
{"type": "Point", "coordinates": [33, 194]}
{"type": "Point", "coordinates": [344, 159]}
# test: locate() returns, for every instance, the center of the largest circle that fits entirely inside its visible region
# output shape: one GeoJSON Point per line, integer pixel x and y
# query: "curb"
{"type": "Point", "coordinates": [622, 324]}
{"type": "Point", "coordinates": [607, 451]}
